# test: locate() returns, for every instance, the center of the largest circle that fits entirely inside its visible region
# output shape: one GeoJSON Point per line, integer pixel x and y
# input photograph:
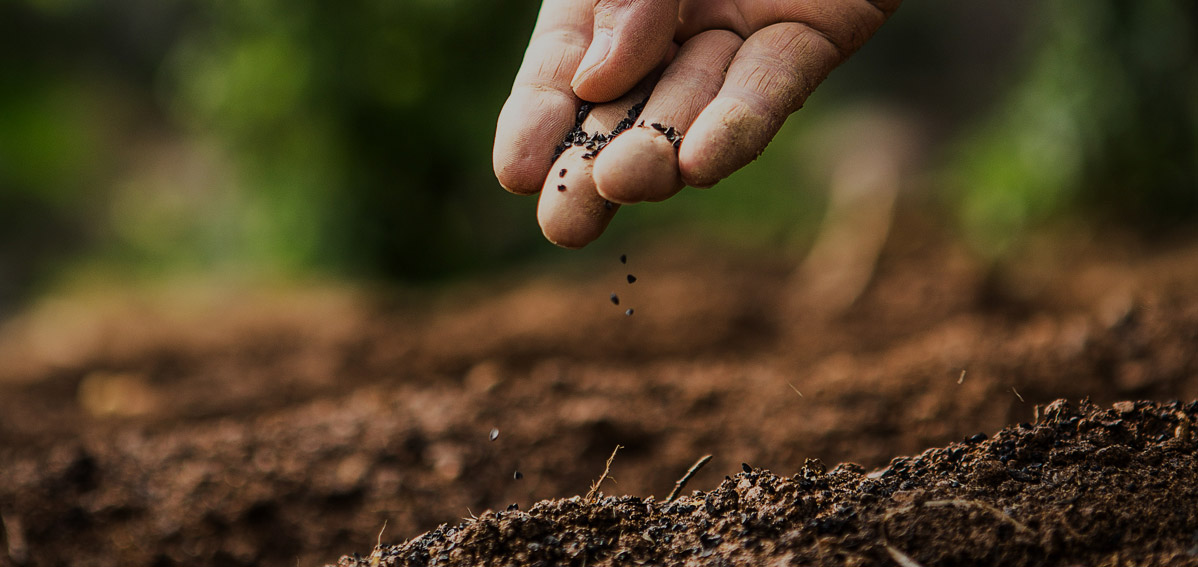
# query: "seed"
{"type": "Point", "coordinates": [623, 258]}
{"type": "Point", "coordinates": [513, 506]}
{"type": "Point", "coordinates": [561, 187]}
{"type": "Point", "coordinates": [631, 278]}
{"type": "Point", "coordinates": [494, 434]}
{"type": "Point", "coordinates": [615, 299]}
{"type": "Point", "coordinates": [745, 467]}
{"type": "Point", "coordinates": [518, 475]}
{"type": "Point", "coordinates": [628, 313]}
{"type": "Point", "coordinates": [562, 173]}
{"type": "Point", "coordinates": [607, 204]}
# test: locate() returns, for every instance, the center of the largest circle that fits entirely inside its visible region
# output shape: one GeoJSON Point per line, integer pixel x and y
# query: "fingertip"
{"type": "Point", "coordinates": [726, 136]}
{"type": "Point", "coordinates": [515, 175]}
{"type": "Point", "coordinates": [694, 168]}
{"type": "Point", "coordinates": [591, 63]}
{"type": "Point", "coordinates": [630, 39]}
{"type": "Point", "coordinates": [641, 164]}
{"type": "Point", "coordinates": [571, 212]}
{"type": "Point", "coordinates": [531, 124]}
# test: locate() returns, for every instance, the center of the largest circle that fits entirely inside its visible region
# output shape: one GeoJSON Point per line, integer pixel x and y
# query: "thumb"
{"type": "Point", "coordinates": [630, 38]}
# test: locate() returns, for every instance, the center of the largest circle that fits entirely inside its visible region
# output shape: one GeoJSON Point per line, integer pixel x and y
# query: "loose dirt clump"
{"type": "Point", "coordinates": [1083, 485]}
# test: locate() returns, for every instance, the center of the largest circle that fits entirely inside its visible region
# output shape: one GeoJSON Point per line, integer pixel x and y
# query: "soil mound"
{"type": "Point", "coordinates": [1082, 485]}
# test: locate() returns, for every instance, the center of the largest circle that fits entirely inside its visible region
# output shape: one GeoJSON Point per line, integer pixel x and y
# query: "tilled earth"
{"type": "Point", "coordinates": [288, 426]}
{"type": "Point", "coordinates": [1082, 485]}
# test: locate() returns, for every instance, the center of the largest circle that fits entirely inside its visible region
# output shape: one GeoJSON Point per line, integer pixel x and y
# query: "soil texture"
{"type": "Point", "coordinates": [1082, 486]}
{"type": "Point", "coordinates": [287, 427]}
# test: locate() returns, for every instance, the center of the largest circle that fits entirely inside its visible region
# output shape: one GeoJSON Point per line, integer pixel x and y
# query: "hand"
{"type": "Point", "coordinates": [723, 74]}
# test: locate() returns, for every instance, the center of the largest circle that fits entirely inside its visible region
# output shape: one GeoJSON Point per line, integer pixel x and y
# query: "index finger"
{"type": "Point", "coordinates": [542, 107]}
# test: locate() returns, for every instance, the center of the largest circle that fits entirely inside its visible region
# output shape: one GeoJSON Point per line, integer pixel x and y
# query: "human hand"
{"type": "Point", "coordinates": [721, 76]}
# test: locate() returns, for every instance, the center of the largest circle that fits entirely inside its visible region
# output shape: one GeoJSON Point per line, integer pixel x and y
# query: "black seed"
{"type": "Point", "coordinates": [623, 258]}
{"type": "Point", "coordinates": [607, 204]}
{"type": "Point", "coordinates": [631, 278]}
{"type": "Point", "coordinates": [615, 299]}
{"type": "Point", "coordinates": [494, 434]}
{"type": "Point", "coordinates": [561, 187]}
{"type": "Point", "coordinates": [562, 173]}
{"type": "Point", "coordinates": [582, 113]}
{"type": "Point", "coordinates": [517, 475]}
{"type": "Point", "coordinates": [745, 467]}
{"type": "Point", "coordinates": [637, 108]}
{"type": "Point", "coordinates": [628, 313]}
{"type": "Point", "coordinates": [513, 506]}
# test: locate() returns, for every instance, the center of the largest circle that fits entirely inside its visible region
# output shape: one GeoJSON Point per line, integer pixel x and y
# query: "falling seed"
{"type": "Point", "coordinates": [518, 475]}
{"type": "Point", "coordinates": [745, 467]}
{"type": "Point", "coordinates": [628, 313]}
{"type": "Point", "coordinates": [561, 187]}
{"type": "Point", "coordinates": [494, 434]}
{"type": "Point", "coordinates": [631, 278]}
{"type": "Point", "coordinates": [562, 173]}
{"type": "Point", "coordinates": [615, 299]}
{"type": "Point", "coordinates": [623, 258]}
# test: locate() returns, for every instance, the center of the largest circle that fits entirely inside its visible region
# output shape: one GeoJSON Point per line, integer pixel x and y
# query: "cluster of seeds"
{"type": "Point", "coordinates": [674, 136]}
{"type": "Point", "coordinates": [594, 143]}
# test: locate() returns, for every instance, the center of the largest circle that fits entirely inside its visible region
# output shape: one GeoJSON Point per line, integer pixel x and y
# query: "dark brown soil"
{"type": "Point", "coordinates": [255, 428]}
{"type": "Point", "coordinates": [1080, 486]}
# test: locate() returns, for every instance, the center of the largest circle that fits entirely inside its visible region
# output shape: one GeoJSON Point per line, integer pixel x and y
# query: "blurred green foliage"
{"type": "Point", "coordinates": [1103, 123]}
{"type": "Point", "coordinates": [358, 128]}
{"type": "Point", "coordinates": [158, 136]}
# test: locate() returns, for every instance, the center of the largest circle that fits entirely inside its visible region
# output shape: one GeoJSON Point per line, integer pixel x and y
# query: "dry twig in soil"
{"type": "Point", "coordinates": [678, 486]}
{"type": "Point", "coordinates": [606, 469]}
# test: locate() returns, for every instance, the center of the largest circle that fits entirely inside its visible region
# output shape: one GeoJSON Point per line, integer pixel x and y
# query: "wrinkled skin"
{"type": "Point", "coordinates": [725, 73]}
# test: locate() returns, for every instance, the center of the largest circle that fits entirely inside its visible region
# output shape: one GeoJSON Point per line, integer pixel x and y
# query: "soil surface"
{"type": "Point", "coordinates": [1080, 486]}
{"type": "Point", "coordinates": [287, 426]}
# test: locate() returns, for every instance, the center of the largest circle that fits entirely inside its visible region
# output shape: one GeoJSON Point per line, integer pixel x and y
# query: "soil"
{"type": "Point", "coordinates": [1081, 486]}
{"type": "Point", "coordinates": [287, 427]}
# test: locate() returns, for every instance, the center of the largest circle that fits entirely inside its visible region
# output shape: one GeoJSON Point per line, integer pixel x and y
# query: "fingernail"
{"type": "Point", "coordinates": [596, 53]}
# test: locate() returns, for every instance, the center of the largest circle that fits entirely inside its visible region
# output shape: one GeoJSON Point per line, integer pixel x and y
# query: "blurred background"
{"type": "Point", "coordinates": [143, 140]}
